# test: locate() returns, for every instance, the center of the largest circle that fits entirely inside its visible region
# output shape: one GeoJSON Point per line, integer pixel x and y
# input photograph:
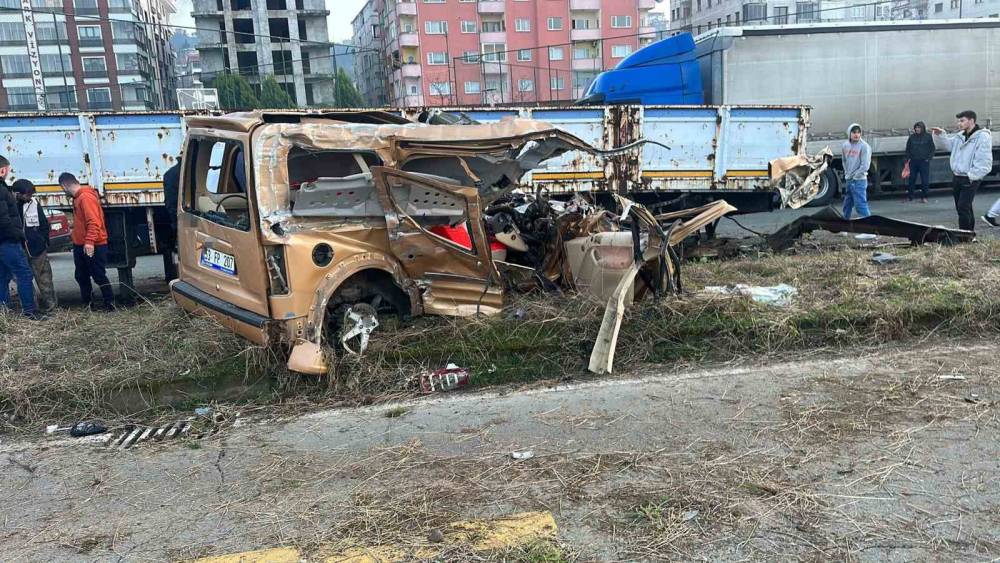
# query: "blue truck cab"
{"type": "Point", "coordinates": [663, 73]}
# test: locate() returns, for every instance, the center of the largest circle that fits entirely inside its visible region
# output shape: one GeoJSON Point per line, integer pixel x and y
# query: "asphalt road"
{"type": "Point", "coordinates": [940, 210]}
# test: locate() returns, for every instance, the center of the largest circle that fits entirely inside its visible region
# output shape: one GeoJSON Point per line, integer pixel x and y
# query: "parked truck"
{"type": "Point", "coordinates": [700, 154]}
{"type": "Point", "coordinates": [884, 75]}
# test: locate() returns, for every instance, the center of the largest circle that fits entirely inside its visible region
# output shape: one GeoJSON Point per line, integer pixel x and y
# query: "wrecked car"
{"type": "Point", "coordinates": [305, 229]}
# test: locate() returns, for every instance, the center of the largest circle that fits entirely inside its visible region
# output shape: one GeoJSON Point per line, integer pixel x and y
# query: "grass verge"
{"type": "Point", "coordinates": [153, 359]}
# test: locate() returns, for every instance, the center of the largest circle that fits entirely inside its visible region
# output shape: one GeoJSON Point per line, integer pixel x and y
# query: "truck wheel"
{"type": "Point", "coordinates": [829, 185]}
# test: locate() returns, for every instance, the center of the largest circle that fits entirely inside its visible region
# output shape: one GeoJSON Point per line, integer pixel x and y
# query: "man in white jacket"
{"type": "Point", "coordinates": [971, 160]}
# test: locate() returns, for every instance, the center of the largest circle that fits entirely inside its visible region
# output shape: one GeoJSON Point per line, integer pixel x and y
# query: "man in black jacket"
{"type": "Point", "coordinates": [36, 234]}
{"type": "Point", "coordinates": [13, 260]}
{"type": "Point", "coordinates": [919, 152]}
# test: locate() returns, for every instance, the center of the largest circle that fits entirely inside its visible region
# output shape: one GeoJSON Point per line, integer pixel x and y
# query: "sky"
{"type": "Point", "coordinates": [339, 21]}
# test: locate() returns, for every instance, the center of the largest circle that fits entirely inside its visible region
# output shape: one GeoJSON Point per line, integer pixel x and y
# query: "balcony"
{"type": "Point", "coordinates": [95, 73]}
{"type": "Point", "coordinates": [94, 42]}
{"type": "Point", "coordinates": [587, 4]}
{"type": "Point", "coordinates": [207, 14]}
{"type": "Point", "coordinates": [587, 64]}
{"type": "Point", "coordinates": [493, 37]}
{"type": "Point", "coordinates": [585, 34]}
{"type": "Point", "coordinates": [490, 7]}
{"type": "Point", "coordinates": [100, 105]}
{"type": "Point", "coordinates": [647, 31]}
{"type": "Point", "coordinates": [647, 4]}
{"type": "Point", "coordinates": [493, 68]}
{"type": "Point", "coordinates": [22, 107]}
{"type": "Point", "coordinates": [412, 70]}
{"type": "Point", "coordinates": [409, 40]}
{"type": "Point", "coordinates": [406, 8]}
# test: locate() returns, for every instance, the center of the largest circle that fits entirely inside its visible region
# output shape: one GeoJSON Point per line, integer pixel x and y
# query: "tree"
{"type": "Point", "coordinates": [273, 96]}
{"type": "Point", "coordinates": [345, 95]}
{"type": "Point", "coordinates": [235, 92]}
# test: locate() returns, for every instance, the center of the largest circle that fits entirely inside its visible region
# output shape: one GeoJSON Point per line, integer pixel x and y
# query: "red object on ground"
{"type": "Point", "coordinates": [460, 236]}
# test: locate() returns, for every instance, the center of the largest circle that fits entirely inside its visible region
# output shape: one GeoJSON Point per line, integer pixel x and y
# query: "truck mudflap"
{"type": "Point", "coordinates": [252, 326]}
{"type": "Point", "coordinates": [797, 178]}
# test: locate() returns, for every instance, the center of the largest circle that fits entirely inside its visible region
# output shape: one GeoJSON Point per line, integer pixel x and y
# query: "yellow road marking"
{"type": "Point", "coordinates": [276, 555]}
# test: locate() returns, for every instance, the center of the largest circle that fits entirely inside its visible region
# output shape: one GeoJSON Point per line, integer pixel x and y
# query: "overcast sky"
{"type": "Point", "coordinates": [339, 22]}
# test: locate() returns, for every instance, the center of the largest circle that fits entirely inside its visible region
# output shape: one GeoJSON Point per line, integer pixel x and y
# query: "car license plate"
{"type": "Point", "coordinates": [220, 261]}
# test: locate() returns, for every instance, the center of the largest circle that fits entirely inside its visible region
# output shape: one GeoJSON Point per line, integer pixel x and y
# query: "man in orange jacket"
{"type": "Point", "coordinates": [90, 240]}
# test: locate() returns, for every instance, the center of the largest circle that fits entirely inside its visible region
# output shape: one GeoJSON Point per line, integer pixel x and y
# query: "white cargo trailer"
{"type": "Point", "coordinates": [883, 75]}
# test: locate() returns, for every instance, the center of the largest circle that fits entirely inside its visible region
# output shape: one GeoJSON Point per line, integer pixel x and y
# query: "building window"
{"type": "Point", "coordinates": [938, 8]}
{"type": "Point", "coordinates": [127, 61]}
{"type": "Point", "coordinates": [436, 27]}
{"type": "Point", "coordinates": [50, 33]}
{"type": "Point", "coordinates": [525, 85]}
{"type": "Point", "coordinates": [699, 5]}
{"type": "Point", "coordinates": [805, 12]}
{"type": "Point", "coordinates": [494, 26]}
{"type": "Point", "coordinates": [437, 58]}
{"type": "Point", "coordinates": [781, 15]}
{"type": "Point", "coordinates": [59, 97]}
{"type": "Point", "coordinates": [21, 97]}
{"type": "Point", "coordinates": [524, 55]}
{"type": "Point", "coordinates": [440, 88]}
{"type": "Point", "coordinates": [468, 27]}
{"type": "Point", "coordinates": [94, 66]}
{"type": "Point", "coordinates": [470, 57]}
{"type": "Point", "coordinates": [623, 21]}
{"type": "Point", "coordinates": [555, 24]}
{"type": "Point", "coordinates": [858, 12]}
{"type": "Point", "coordinates": [555, 53]}
{"type": "Point", "coordinates": [522, 24]}
{"type": "Point", "coordinates": [583, 23]}
{"type": "Point", "coordinates": [414, 90]}
{"type": "Point", "coordinates": [89, 34]}
{"type": "Point", "coordinates": [99, 98]}
{"type": "Point", "coordinates": [12, 33]}
{"type": "Point", "coordinates": [557, 83]}
{"type": "Point", "coordinates": [473, 88]}
{"type": "Point", "coordinates": [495, 52]}
{"type": "Point", "coordinates": [954, 4]}
{"type": "Point", "coordinates": [620, 51]}
{"type": "Point", "coordinates": [15, 65]}
{"type": "Point", "coordinates": [54, 64]}
{"type": "Point", "coordinates": [755, 12]}
{"type": "Point", "coordinates": [433, 1]}
{"type": "Point", "coordinates": [583, 53]}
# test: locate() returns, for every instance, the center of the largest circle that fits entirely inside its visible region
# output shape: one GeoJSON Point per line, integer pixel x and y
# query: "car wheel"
{"type": "Point", "coordinates": [828, 188]}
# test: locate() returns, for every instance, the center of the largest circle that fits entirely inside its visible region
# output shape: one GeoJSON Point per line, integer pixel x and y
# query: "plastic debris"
{"type": "Point", "coordinates": [87, 428]}
{"type": "Point", "coordinates": [949, 377]}
{"type": "Point", "coordinates": [689, 515]}
{"type": "Point", "coordinates": [882, 258]}
{"type": "Point", "coordinates": [203, 411]}
{"type": "Point", "coordinates": [521, 456]}
{"type": "Point", "coordinates": [445, 379]}
{"type": "Point", "coordinates": [865, 236]}
{"type": "Point", "coordinates": [780, 295]}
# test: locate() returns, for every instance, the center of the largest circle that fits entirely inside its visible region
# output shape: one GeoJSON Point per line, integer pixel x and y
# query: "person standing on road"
{"type": "Point", "coordinates": [13, 259]}
{"type": "Point", "coordinates": [36, 234]}
{"type": "Point", "coordinates": [971, 160]}
{"type": "Point", "coordinates": [919, 152]}
{"type": "Point", "coordinates": [857, 158]}
{"type": "Point", "coordinates": [90, 241]}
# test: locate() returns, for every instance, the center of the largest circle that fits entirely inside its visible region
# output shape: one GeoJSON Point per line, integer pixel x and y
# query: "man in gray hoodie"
{"type": "Point", "coordinates": [857, 158]}
{"type": "Point", "coordinates": [971, 160]}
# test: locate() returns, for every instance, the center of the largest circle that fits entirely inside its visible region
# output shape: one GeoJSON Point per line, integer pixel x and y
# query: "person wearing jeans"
{"type": "Point", "coordinates": [919, 152]}
{"type": "Point", "coordinates": [857, 158]}
{"type": "Point", "coordinates": [971, 160]}
{"type": "Point", "coordinates": [90, 241]}
{"type": "Point", "coordinates": [13, 260]}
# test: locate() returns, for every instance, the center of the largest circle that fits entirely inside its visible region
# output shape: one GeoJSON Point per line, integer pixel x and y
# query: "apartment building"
{"type": "Point", "coordinates": [458, 52]}
{"type": "Point", "coordinates": [257, 38]}
{"type": "Point", "coordinates": [92, 55]}
{"type": "Point", "coordinates": [697, 16]}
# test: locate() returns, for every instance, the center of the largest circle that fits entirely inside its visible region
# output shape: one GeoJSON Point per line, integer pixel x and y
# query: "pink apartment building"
{"type": "Point", "coordinates": [468, 52]}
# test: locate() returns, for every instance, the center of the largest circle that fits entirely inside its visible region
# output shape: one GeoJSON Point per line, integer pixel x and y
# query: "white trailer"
{"type": "Point", "coordinates": [883, 75]}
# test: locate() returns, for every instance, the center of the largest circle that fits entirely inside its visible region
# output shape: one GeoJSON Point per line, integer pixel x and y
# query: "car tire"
{"type": "Point", "coordinates": [829, 187]}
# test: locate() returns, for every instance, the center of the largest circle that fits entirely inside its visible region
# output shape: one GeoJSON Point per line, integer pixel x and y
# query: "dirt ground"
{"type": "Point", "coordinates": [884, 454]}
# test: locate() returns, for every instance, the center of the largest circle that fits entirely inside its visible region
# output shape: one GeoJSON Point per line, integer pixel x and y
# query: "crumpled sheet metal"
{"type": "Point", "coordinates": [798, 178]}
{"type": "Point", "coordinates": [394, 144]}
{"type": "Point", "coordinates": [603, 355]}
{"type": "Point", "coordinates": [831, 219]}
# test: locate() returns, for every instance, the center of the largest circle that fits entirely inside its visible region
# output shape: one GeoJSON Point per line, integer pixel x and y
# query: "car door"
{"type": "Point", "coordinates": [218, 232]}
{"type": "Point", "coordinates": [435, 230]}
